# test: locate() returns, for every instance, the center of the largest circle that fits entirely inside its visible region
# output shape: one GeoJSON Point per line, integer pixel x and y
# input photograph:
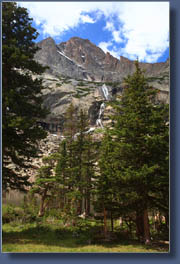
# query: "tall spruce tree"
{"type": "Point", "coordinates": [140, 154]}
{"type": "Point", "coordinates": [21, 100]}
{"type": "Point", "coordinates": [75, 167]}
{"type": "Point", "coordinates": [66, 168]}
{"type": "Point", "coordinates": [106, 181]}
{"type": "Point", "coordinates": [45, 182]}
{"type": "Point", "coordinates": [85, 154]}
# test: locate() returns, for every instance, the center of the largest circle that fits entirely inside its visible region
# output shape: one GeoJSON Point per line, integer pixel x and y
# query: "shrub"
{"type": "Point", "coordinates": [10, 213]}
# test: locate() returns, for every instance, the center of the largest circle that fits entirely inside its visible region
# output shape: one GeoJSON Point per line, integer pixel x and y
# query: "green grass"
{"type": "Point", "coordinates": [81, 83]}
{"type": "Point", "coordinates": [54, 80]}
{"type": "Point", "coordinates": [58, 84]}
{"type": "Point", "coordinates": [54, 238]}
{"type": "Point", "coordinates": [159, 79]}
{"type": "Point", "coordinates": [83, 91]}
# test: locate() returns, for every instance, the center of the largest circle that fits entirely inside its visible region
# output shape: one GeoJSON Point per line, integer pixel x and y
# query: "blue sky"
{"type": "Point", "coordinates": [129, 29]}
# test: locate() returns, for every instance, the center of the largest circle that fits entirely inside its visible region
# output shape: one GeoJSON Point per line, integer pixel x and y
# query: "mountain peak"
{"type": "Point", "coordinates": [81, 59]}
{"type": "Point", "coordinates": [48, 40]}
{"type": "Point", "coordinates": [80, 39]}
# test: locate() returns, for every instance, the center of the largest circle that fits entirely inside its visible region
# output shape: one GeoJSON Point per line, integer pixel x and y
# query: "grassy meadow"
{"type": "Point", "coordinates": [50, 234]}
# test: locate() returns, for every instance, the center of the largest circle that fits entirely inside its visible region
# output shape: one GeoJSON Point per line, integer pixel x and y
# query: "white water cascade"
{"type": "Point", "coordinates": [105, 92]}
{"type": "Point", "coordinates": [91, 129]}
{"type": "Point", "coordinates": [101, 111]}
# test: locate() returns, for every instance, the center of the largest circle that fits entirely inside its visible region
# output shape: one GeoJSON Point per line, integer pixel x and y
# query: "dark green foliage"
{"type": "Point", "coordinates": [45, 178]}
{"type": "Point", "coordinates": [75, 167]}
{"type": "Point", "coordinates": [83, 91]}
{"type": "Point", "coordinates": [107, 177]}
{"type": "Point", "coordinates": [8, 214]}
{"type": "Point", "coordinates": [159, 79]}
{"type": "Point", "coordinates": [45, 182]}
{"type": "Point", "coordinates": [21, 100]}
{"type": "Point", "coordinates": [58, 84]}
{"type": "Point", "coordinates": [24, 214]}
{"type": "Point", "coordinates": [81, 83]}
{"type": "Point", "coordinates": [134, 156]}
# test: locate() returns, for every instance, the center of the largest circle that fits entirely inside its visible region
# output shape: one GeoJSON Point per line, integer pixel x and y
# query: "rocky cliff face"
{"type": "Point", "coordinates": [78, 71]}
{"type": "Point", "coordinates": [80, 59]}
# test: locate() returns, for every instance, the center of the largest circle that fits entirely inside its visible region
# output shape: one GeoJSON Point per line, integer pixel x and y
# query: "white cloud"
{"type": "Point", "coordinates": [104, 46]}
{"type": "Point", "coordinates": [109, 26]}
{"type": "Point", "coordinates": [87, 19]}
{"type": "Point", "coordinates": [56, 17]}
{"type": "Point", "coordinates": [142, 26]}
{"type": "Point", "coordinates": [116, 36]}
{"type": "Point", "coordinates": [146, 29]}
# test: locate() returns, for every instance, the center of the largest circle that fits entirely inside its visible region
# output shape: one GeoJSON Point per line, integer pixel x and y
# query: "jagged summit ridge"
{"type": "Point", "coordinates": [81, 59]}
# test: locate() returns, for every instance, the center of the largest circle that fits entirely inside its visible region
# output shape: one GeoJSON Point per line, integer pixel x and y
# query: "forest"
{"type": "Point", "coordinates": [103, 191]}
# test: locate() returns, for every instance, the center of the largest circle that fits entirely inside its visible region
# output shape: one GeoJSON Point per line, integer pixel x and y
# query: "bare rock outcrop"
{"type": "Point", "coordinates": [78, 69]}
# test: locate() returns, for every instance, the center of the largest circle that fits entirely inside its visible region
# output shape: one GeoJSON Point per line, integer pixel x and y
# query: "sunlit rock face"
{"type": "Point", "coordinates": [81, 73]}
{"type": "Point", "coordinates": [80, 59]}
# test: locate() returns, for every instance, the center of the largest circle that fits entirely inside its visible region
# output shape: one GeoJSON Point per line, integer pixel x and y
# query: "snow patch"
{"type": "Point", "coordinates": [61, 53]}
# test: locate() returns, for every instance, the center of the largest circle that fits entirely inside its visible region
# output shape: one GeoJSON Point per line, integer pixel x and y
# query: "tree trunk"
{"type": "Point", "coordinates": [112, 223]}
{"type": "Point", "coordinates": [139, 225]}
{"type": "Point", "coordinates": [147, 237]}
{"type": "Point", "coordinates": [88, 205]}
{"type": "Point", "coordinates": [167, 220]}
{"type": "Point", "coordinates": [42, 204]}
{"type": "Point", "coordinates": [42, 207]}
{"type": "Point", "coordinates": [79, 208]}
{"type": "Point", "coordinates": [105, 222]}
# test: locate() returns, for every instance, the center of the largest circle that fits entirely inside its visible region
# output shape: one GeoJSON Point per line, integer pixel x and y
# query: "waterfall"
{"type": "Point", "coordinates": [99, 122]}
{"type": "Point", "coordinates": [101, 111]}
{"type": "Point", "coordinates": [105, 91]}
{"type": "Point", "coordinates": [91, 129]}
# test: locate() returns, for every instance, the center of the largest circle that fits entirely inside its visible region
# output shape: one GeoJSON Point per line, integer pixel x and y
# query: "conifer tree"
{"type": "Point", "coordinates": [85, 153]}
{"type": "Point", "coordinates": [62, 174]}
{"type": "Point", "coordinates": [45, 182]}
{"type": "Point", "coordinates": [140, 154]}
{"type": "Point", "coordinates": [75, 164]}
{"type": "Point", "coordinates": [106, 181]}
{"type": "Point", "coordinates": [89, 172]}
{"type": "Point", "coordinates": [66, 168]}
{"type": "Point", "coordinates": [21, 100]}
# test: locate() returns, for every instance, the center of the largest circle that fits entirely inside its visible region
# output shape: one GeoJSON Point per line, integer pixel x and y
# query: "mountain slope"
{"type": "Point", "coordinates": [78, 71]}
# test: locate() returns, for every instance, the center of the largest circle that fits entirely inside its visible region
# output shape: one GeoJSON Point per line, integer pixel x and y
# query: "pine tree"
{"type": "Point", "coordinates": [139, 156]}
{"type": "Point", "coordinates": [85, 154]}
{"type": "Point", "coordinates": [74, 169]}
{"type": "Point", "coordinates": [89, 171]}
{"type": "Point", "coordinates": [106, 181]}
{"type": "Point", "coordinates": [66, 168]}
{"type": "Point", "coordinates": [45, 182]}
{"type": "Point", "coordinates": [21, 100]}
{"type": "Point", "coordinates": [62, 174]}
